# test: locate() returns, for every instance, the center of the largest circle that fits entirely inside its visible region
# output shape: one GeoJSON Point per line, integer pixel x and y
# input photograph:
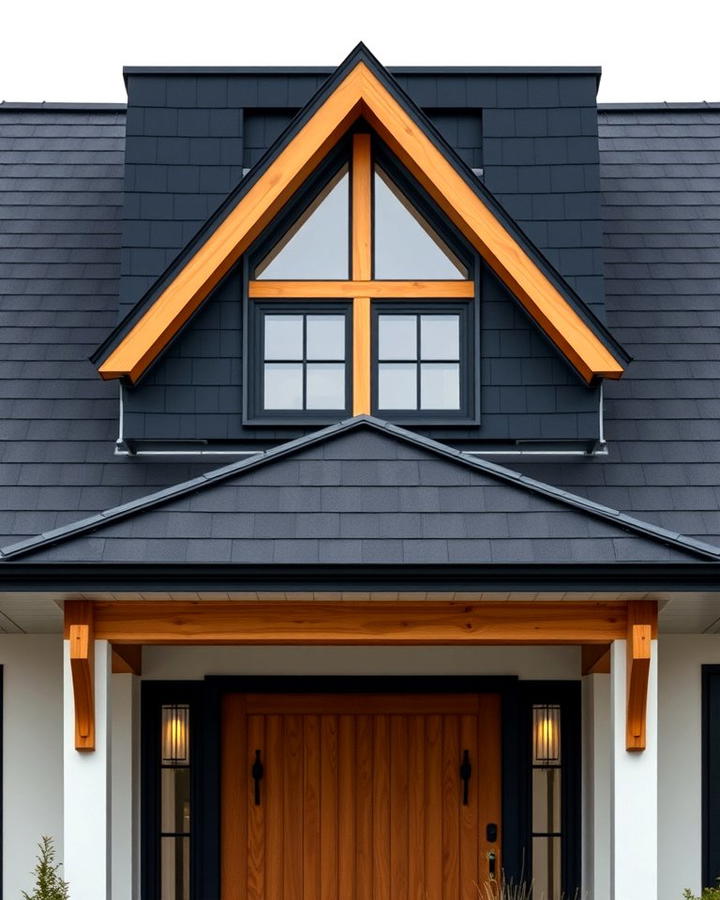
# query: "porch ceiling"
{"type": "Point", "coordinates": [42, 612]}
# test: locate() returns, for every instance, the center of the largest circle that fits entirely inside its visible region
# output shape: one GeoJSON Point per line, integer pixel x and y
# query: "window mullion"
{"type": "Point", "coordinates": [361, 242]}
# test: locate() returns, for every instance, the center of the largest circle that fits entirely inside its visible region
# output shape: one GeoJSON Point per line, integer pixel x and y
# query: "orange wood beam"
{"type": "Point", "coordinates": [361, 208]}
{"type": "Point", "coordinates": [334, 290]}
{"type": "Point", "coordinates": [596, 659]}
{"type": "Point", "coordinates": [358, 623]}
{"type": "Point", "coordinates": [641, 629]}
{"type": "Point", "coordinates": [79, 630]}
{"type": "Point", "coordinates": [362, 394]}
{"type": "Point", "coordinates": [360, 93]}
{"type": "Point", "coordinates": [127, 659]}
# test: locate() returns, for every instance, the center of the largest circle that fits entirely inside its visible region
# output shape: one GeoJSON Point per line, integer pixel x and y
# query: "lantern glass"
{"type": "Point", "coordinates": [176, 735]}
{"type": "Point", "coordinates": [546, 735]}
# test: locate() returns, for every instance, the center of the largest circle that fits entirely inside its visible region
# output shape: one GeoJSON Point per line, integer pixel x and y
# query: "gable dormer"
{"type": "Point", "coordinates": [363, 237]}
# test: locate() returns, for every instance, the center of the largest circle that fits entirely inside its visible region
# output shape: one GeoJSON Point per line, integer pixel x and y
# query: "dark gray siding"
{"type": "Point", "coordinates": [537, 135]}
{"type": "Point", "coordinates": [527, 391]}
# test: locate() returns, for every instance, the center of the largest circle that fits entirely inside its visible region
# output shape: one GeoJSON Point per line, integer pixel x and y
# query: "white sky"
{"type": "Point", "coordinates": [74, 50]}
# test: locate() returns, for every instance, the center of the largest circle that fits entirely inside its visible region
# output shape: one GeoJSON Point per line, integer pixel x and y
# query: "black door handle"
{"type": "Point", "coordinates": [465, 773]}
{"type": "Point", "coordinates": [258, 770]}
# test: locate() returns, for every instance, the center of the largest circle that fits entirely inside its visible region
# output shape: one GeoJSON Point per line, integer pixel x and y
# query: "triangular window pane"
{"type": "Point", "coordinates": [406, 247]}
{"type": "Point", "coordinates": [317, 245]}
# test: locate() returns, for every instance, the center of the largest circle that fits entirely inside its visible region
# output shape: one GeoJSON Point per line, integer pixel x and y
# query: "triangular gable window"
{"type": "Point", "coordinates": [317, 244]}
{"type": "Point", "coordinates": [405, 245]}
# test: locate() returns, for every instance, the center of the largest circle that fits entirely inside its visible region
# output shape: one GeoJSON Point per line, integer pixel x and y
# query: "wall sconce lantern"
{"type": "Point", "coordinates": [176, 735]}
{"type": "Point", "coordinates": [546, 735]}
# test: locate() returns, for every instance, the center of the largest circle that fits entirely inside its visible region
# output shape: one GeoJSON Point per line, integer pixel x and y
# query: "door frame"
{"type": "Point", "coordinates": [205, 700]}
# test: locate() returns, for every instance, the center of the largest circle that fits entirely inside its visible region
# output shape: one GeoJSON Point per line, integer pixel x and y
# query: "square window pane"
{"type": "Point", "coordinates": [397, 337]}
{"type": "Point", "coordinates": [326, 386]}
{"type": "Point", "coordinates": [175, 868]}
{"type": "Point", "coordinates": [397, 386]}
{"type": "Point", "coordinates": [326, 337]}
{"type": "Point", "coordinates": [175, 800]}
{"type": "Point", "coordinates": [283, 336]}
{"type": "Point", "coordinates": [440, 337]}
{"type": "Point", "coordinates": [546, 869]}
{"type": "Point", "coordinates": [440, 386]}
{"type": "Point", "coordinates": [546, 799]}
{"type": "Point", "coordinates": [283, 386]}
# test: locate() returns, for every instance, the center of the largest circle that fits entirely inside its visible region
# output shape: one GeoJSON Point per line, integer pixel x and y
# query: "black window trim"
{"type": "Point", "coordinates": [256, 413]}
{"type": "Point", "coordinates": [469, 375]}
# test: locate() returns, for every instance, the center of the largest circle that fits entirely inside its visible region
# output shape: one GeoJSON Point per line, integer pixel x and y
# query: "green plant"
{"type": "Point", "coordinates": [48, 883]}
{"type": "Point", "coordinates": [710, 893]}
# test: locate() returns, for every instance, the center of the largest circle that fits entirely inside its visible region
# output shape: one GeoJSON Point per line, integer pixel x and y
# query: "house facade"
{"type": "Point", "coordinates": [360, 502]}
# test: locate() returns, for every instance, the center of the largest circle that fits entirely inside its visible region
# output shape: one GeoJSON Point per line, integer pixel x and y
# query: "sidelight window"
{"type": "Point", "coordinates": [175, 803]}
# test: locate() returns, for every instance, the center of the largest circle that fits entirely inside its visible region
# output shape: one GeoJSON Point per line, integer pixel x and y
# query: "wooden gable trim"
{"type": "Point", "coordinates": [360, 93]}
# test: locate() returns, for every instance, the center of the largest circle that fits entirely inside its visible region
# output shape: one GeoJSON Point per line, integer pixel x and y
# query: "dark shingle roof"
{"type": "Point", "coordinates": [61, 177]}
{"type": "Point", "coordinates": [361, 491]}
{"type": "Point", "coordinates": [61, 174]}
{"type": "Point", "coordinates": [660, 171]}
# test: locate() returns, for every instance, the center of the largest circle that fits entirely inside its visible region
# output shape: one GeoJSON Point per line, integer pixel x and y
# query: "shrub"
{"type": "Point", "coordinates": [712, 893]}
{"type": "Point", "coordinates": [48, 883]}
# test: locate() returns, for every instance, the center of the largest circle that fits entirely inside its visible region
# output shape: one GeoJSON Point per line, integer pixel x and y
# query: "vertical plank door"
{"type": "Point", "coordinates": [360, 796]}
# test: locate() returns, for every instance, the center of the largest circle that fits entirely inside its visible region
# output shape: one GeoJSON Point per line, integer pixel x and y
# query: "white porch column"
{"type": "Point", "coordinates": [597, 746]}
{"type": "Point", "coordinates": [634, 789]}
{"type": "Point", "coordinates": [87, 789]}
{"type": "Point", "coordinates": [125, 785]}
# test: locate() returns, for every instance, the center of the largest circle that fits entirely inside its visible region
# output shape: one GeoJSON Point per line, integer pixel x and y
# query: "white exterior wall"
{"type": "Point", "coordinates": [32, 752]}
{"type": "Point", "coordinates": [680, 759]}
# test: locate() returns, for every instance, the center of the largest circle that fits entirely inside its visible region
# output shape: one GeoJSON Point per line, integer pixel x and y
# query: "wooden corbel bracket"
{"type": "Point", "coordinates": [642, 627]}
{"type": "Point", "coordinates": [81, 667]}
{"type": "Point", "coordinates": [80, 633]}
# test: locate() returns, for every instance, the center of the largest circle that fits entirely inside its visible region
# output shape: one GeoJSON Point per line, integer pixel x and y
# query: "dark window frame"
{"type": "Point", "coordinates": [469, 374]}
{"type": "Point", "coordinates": [256, 413]}
{"type": "Point", "coordinates": [710, 774]}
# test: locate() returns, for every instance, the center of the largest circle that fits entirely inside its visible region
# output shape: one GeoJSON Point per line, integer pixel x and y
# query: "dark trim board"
{"type": "Point", "coordinates": [58, 578]}
{"type": "Point", "coordinates": [710, 775]}
{"type": "Point", "coordinates": [205, 698]}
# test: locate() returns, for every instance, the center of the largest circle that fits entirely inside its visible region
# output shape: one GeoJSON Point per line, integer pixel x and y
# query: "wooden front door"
{"type": "Point", "coordinates": [359, 797]}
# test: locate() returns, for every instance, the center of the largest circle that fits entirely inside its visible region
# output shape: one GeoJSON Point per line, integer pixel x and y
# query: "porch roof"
{"type": "Point", "coordinates": [362, 492]}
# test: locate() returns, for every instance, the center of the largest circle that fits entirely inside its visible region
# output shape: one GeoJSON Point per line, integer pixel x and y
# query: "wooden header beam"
{"type": "Point", "coordinates": [357, 623]}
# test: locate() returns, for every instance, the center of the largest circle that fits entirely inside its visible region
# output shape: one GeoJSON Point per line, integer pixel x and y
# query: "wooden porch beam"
{"type": "Point", "coordinates": [359, 623]}
{"type": "Point", "coordinates": [641, 628]}
{"type": "Point", "coordinates": [79, 630]}
{"type": "Point", "coordinates": [127, 659]}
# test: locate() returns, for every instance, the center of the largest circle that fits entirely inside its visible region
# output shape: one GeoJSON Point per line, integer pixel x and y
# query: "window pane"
{"type": "Point", "coordinates": [440, 386]}
{"type": "Point", "coordinates": [317, 245]}
{"type": "Point", "coordinates": [283, 337]}
{"type": "Point", "coordinates": [175, 801]}
{"type": "Point", "coordinates": [546, 869]}
{"type": "Point", "coordinates": [326, 386]}
{"type": "Point", "coordinates": [326, 337]}
{"type": "Point", "coordinates": [398, 337]}
{"type": "Point", "coordinates": [397, 386]}
{"type": "Point", "coordinates": [405, 245]}
{"type": "Point", "coordinates": [175, 868]}
{"type": "Point", "coordinates": [546, 800]}
{"type": "Point", "coordinates": [283, 386]}
{"type": "Point", "coordinates": [440, 337]}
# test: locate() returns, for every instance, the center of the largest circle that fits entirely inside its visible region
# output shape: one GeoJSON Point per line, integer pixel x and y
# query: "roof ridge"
{"type": "Point", "coordinates": [501, 473]}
